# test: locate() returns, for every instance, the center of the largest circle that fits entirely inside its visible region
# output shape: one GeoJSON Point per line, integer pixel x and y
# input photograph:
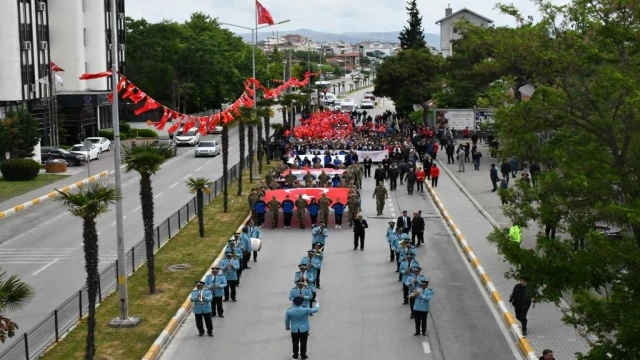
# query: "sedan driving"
{"type": "Point", "coordinates": [102, 143]}
{"type": "Point", "coordinates": [207, 148]}
{"type": "Point", "coordinates": [80, 149]}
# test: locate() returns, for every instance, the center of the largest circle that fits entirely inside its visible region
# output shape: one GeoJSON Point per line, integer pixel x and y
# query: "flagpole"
{"type": "Point", "coordinates": [54, 125]}
{"type": "Point", "coordinates": [51, 109]}
{"type": "Point", "coordinates": [253, 69]}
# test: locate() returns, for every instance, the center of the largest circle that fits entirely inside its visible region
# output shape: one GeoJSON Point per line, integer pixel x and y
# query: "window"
{"type": "Point", "coordinates": [455, 30]}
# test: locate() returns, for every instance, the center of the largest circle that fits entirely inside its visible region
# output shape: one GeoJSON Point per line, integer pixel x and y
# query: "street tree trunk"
{"type": "Point", "coordinates": [91, 261]}
{"type": "Point", "coordinates": [146, 201]}
{"type": "Point", "coordinates": [242, 136]}
{"type": "Point", "coordinates": [200, 209]}
{"type": "Point", "coordinates": [267, 134]}
{"type": "Point", "coordinates": [225, 167]}
{"type": "Point", "coordinates": [259, 149]}
{"type": "Point", "coordinates": [251, 152]}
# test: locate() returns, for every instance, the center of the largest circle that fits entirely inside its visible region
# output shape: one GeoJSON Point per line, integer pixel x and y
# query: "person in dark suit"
{"type": "Point", "coordinates": [417, 229]}
{"type": "Point", "coordinates": [367, 162]}
{"type": "Point", "coordinates": [404, 222]}
{"type": "Point", "coordinates": [359, 226]}
{"type": "Point", "coordinates": [379, 174]}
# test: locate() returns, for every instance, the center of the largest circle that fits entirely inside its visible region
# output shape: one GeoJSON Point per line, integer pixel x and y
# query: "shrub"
{"type": "Point", "coordinates": [19, 169]}
{"type": "Point", "coordinates": [109, 135]}
{"type": "Point", "coordinates": [66, 147]}
{"type": "Point", "coordinates": [125, 128]}
{"type": "Point", "coordinates": [147, 133]}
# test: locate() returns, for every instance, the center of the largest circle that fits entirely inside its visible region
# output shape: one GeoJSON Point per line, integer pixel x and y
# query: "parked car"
{"type": "Point", "coordinates": [366, 104]}
{"type": "Point", "coordinates": [217, 129]}
{"type": "Point", "coordinates": [102, 143]}
{"type": "Point", "coordinates": [369, 95]}
{"type": "Point", "coordinates": [192, 137]}
{"type": "Point", "coordinates": [207, 148]}
{"type": "Point", "coordinates": [166, 142]}
{"type": "Point", "coordinates": [336, 104]}
{"type": "Point", "coordinates": [53, 153]}
{"type": "Point", "coordinates": [80, 149]}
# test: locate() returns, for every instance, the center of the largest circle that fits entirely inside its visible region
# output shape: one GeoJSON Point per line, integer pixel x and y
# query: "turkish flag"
{"type": "Point", "coordinates": [54, 67]}
{"type": "Point", "coordinates": [96, 75]}
{"type": "Point", "coordinates": [264, 16]}
{"type": "Point", "coordinates": [308, 194]}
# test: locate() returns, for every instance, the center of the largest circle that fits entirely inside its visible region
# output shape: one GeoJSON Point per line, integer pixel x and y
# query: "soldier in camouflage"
{"type": "Point", "coordinates": [274, 210]}
{"type": "Point", "coordinates": [301, 207]}
{"type": "Point", "coordinates": [380, 193]}
{"type": "Point", "coordinates": [324, 203]}
{"type": "Point", "coordinates": [308, 179]}
{"type": "Point", "coordinates": [353, 204]}
{"type": "Point", "coordinates": [323, 179]}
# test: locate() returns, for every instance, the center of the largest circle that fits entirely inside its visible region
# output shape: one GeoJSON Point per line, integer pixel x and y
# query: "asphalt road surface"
{"type": "Point", "coordinates": [361, 313]}
{"type": "Point", "coordinates": [43, 244]}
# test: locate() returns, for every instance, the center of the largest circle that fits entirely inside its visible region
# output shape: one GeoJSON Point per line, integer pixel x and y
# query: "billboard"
{"type": "Point", "coordinates": [455, 119]}
{"type": "Point", "coordinates": [483, 116]}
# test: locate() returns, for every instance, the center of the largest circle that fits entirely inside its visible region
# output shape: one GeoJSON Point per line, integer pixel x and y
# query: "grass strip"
{"type": "Point", "coordinates": [156, 310]}
{"type": "Point", "coordinates": [10, 189]}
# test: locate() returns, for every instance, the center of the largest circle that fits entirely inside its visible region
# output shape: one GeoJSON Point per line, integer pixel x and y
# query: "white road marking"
{"type": "Point", "coordinates": [113, 223]}
{"type": "Point", "coordinates": [157, 196]}
{"type": "Point", "coordinates": [32, 230]}
{"type": "Point", "coordinates": [12, 240]}
{"type": "Point", "coordinates": [426, 347]}
{"type": "Point", "coordinates": [124, 217]}
{"type": "Point", "coordinates": [208, 162]}
{"type": "Point", "coordinates": [136, 209]}
{"type": "Point", "coordinates": [174, 185]}
{"type": "Point", "coordinates": [186, 177]}
{"type": "Point", "coordinates": [54, 219]}
{"type": "Point", "coordinates": [45, 267]}
{"type": "Point", "coordinates": [198, 169]}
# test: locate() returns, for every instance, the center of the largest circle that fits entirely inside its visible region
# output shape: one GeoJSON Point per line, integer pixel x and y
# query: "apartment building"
{"type": "Point", "coordinates": [75, 35]}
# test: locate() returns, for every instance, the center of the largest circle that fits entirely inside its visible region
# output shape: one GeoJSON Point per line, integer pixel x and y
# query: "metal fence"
{"type": "Point", "coordinates": [34, 342]}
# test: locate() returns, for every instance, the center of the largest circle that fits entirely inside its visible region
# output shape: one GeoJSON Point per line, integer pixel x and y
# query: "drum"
{"type": "Point", "coordinates": [256, 244]}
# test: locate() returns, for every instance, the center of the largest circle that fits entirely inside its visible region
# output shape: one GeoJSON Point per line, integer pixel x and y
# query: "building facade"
{"type": "Point", "coordinates": [75, 35]}
{"type": "Point", "coordinates": [449, 31]}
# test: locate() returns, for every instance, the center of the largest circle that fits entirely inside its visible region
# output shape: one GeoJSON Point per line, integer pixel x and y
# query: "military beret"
{"type": "Point", "coordinates": [317, 243]}
{"type": "Point", "coordinates": [215, 268]}
{"type": "Point", "coordinates": [236, 233]}
{"type": "Point", "coordinates": [302, 265]}
{"type": "Point", "coordinates": [199, 283]}
{"type": "Point", "coordinates": [299, 281]}
{"type": "Point", "coordinates": [391, 223]}
{"type": "Point", "coordinates": [227, 252]}
{"type": "Point", "coordinates": [231, 241]}
{"type": "Point", "coordinates": [417, 268]}
{"type": "Point", "coordinates": [423, 283]}
{"type": "Point", "coordinates": [311, 251]}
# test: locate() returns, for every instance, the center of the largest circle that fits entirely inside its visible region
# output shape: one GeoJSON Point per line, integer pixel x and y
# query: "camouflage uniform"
{"type": "Point", "coordinates": [274, 186]}
{"type": "Point", "coordinates": [274, 210]}
{"type": "Point", "coordinates": [301, 207]}
{"type": "Point", "coordinates": [347, 177]}
{"type": "Point", "coordinates": [290, 178]}
{"type": "Point", "coordinates": [380, 193]}
{"type": "Point", "coordinates": [268, 179]}
{"type": "Point", "coordinates": [324, 203]}
{"type": "Point", "coordinates": [323, 179]}
{"type": "Point", "coordinates": [308, 180]}
{"type": "Point", "coordinates": [341, 166]}
{"type": "Point", "coordinates": [253, 197]}
{"type": "Point", "coordinates": [353, 204]}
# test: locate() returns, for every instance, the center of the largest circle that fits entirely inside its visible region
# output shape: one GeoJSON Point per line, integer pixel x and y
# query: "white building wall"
{"type": "Point", "coordinates": [95, 49]}
{"type": "Point", "coordinates": [67, 41]}
{"type": "Point", "coordinates": [448, 31]}
{"type": "Point", "coordinates": [10, 85]}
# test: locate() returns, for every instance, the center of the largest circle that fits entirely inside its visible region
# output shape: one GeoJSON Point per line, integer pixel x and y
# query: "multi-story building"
{"type": "Point", "coordinates": [75, 35]}
{"type": "Point", "coordinates": [449, 31]}
{"type": "Point", "coordinates": [385, 49]}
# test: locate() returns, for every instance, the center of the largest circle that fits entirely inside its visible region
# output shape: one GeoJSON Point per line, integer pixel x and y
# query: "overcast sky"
{"type": "Point", "coordinates": [333, 16]}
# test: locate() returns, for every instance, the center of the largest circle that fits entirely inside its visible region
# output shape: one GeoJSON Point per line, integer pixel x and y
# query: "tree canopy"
{"type": "Point", "coordinates": [190, 66]}
{"type": "Point", "coordinates": [412, 35]}
{"type": "Point", "coordinates": [19, 134]}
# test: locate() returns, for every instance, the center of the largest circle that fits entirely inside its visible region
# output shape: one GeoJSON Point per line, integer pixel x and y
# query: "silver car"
{"type": "Point", "coordinates": [208, 148]}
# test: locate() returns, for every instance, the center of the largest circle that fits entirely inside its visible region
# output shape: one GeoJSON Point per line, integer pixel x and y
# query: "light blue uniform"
{"type": "Point", "coordinates": [318, 235]}
{"type": "Point", "coordinates": [204, 306]}
{"type": "Point", "coordinates": [245, 242]}
{"type": "Point", "coordinates": [236, 250]}
{"type": "Point", "coordinates": [413, 286]}
{"type": "Point", "coordinates": [305, 293]}
{"type": "Point", "coordinates": [390, 232]}
{"type": "Point", "coordinates": [297, 318]}
{"type": "Point", "coordinates": [254, 232]}
{"type": "Point", "coordinates": [406, 251]}
{"type": "Point", "coordinates": [230, 272]}
{"type": "Point", "coordinates": [394, 241]}
{"type": "Point", "coordinates": [315, 265]}
{"type": "Point", "coordinates": [216, 285]}
{"type": "Point", "coordinates": [423, 300]}
{"type": "Point", "coordinates": [404, 265]}
{"type": "Point", "coordinates": [310, 279]}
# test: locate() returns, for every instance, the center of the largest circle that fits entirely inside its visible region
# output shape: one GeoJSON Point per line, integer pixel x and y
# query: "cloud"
{"type": "Point", "coordinates": [333, 16]}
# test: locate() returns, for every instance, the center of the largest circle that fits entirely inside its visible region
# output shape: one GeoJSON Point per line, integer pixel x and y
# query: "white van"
{"type": "Point", "coordinates": [327, 98]}
{"type": "Point", "coordinates": [348, 105]}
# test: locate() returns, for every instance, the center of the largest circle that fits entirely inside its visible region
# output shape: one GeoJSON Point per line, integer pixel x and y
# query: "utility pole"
{"type": "Point", "coordinates": [124, 320]}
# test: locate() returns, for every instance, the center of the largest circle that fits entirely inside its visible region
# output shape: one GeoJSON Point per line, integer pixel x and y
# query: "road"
{"type": "Point", "coordinates": [361, 314]}
{"type": "Point", "coordinates": [43, 244]}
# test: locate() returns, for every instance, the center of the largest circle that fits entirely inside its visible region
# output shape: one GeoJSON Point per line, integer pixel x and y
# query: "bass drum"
{"type": "Point", "coordinates": [256, 244]}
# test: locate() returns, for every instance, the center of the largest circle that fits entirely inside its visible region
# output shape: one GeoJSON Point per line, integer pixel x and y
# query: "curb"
{"type": "Point", "coordinates": [507, 316]}
{"type": "Point", "coordinates": [51, 195]}
{"type": "Point", "coordinates": [181, 314]}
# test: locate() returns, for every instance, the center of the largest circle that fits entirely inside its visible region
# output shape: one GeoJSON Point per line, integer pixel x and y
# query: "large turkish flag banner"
{"type": "Point", "coordinates": [316, 172]}
{"type": "Point", "coordinates": [308, 194]}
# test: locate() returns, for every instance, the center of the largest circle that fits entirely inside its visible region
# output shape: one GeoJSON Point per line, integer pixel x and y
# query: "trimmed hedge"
{"type": "Point", "coordinates": [109, 135]}
{"type": "Point", "coordinates": [146, 133]}
{"type": "Point", "coordinates": [19, 169]}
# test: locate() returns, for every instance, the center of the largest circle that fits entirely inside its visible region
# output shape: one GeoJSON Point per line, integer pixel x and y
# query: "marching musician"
{"type": "Point", "coordinates": [313, 265]}
{"type": "Point", "coordinates": [255, 233]}
{"type": "Point", "coordinates": [297, 320]}
{"type": "Point", "coordinates": [319, 254]}
{"type": "Point", "coordinates": [201, 299]}
{"type": "Point", "coordinates": [421, 307]}
{"type": "Point", "coordinates": [393, 241]}
{"type": "Point", "coordinates": [244, 242]}
{"type": "Point", "coordinates": [412, 281]}
{"type": "Point", "coordinates": [236, 253]}
{"type": "Point", "coordinates": [405, 269]}
{"type": "Point", "coordinates": [308, 280]}
{"type": "Point", "coordinates": [230, 267]}
{"type": "Point", "coordinates": [319, 234]}
{"type": "Point", "coordinates": [301, 291]}
{"type": "Point", "coordinates": [402, 249]}
{"type": "Point", "coordinates": [216, 283]}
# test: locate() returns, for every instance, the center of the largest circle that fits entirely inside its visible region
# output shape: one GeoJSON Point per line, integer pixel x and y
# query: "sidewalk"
{"type": "Point", "coordinates": [545, 329]}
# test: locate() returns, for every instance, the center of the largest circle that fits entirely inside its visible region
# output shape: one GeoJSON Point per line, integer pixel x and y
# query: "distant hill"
{"type": "Point", "coordinates": [350, 37]}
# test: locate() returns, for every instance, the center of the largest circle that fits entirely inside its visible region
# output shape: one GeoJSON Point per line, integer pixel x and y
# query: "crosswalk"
{"type": "Point", "coordinates": [48, 255]}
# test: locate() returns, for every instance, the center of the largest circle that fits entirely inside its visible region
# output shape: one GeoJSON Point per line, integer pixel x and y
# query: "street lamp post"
{"type": "Point", "coordinates": [124, 320]}
{"type": "Point", "coordinates": [254, 38]}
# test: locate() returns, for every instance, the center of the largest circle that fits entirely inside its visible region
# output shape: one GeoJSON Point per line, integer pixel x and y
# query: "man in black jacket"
{"type": "Point", "coordinates": [521, 298]}
{"type": "Point", "coordinates": [417, 229]}
{"type": "Point", "coordinates": [379, 174]}
{"type": "Point", "coordinates": [393, 177]}
{"type": "Point", "coordinates": [367, 162]}
{"type": "Point", "coordinates": [404, 222]}
{"type": "Point", "coordinates": [386, 163]}
{"type": "Point", "coordinates": [359, 226]}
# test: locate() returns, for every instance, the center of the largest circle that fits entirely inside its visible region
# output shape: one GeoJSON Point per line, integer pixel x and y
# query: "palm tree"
{"type": "Point", "coordinates": [200, 186]}
{"type": "Point", "coordinates": [225, 167]}
{"type": "Point", "coordinates": [90, 201]}
{"type": "Point", "coordinates": [14, 295]}
{"type": "Point", "coordinates": [147, 160]}
{"type": "Point", "coordinates": [244, 117]}
{"type": "Point", "coordinates": [264, 111]}
{"type": "Point", "coordinates": [286, 100]}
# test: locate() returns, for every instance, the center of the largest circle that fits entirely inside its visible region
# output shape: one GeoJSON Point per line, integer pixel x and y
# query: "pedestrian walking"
{"type": "Point", "coordinates": [230, 267]}
{"type": "Point", "coordinates": [476, 160]}
{"type": "Point", "coordinates": [460, 158]}
{"type": "Point", "coordinates": [359, 227]}
{"type": "Point", "coordinates": [216, 283]}
{"type": "Point", "coordinates": [522, 296]}
{"type": "Point", "coordinates": [393, 177]}
{"type": "Point", "coordinates": [435, 174]}
{"type": "Point", "coordinates": [201, 299]}
{"type": "Point", "coordinates": [420, 176]}
{"type": "Point", "coordinates": [505, 169]}
{"type": "Point", "coordinates": [324, 202]}
{"type": "Point", "coordinates": [411, 181]}
{"type": "Point", "coordinates": [380, 193]}
{"type": "Point", "coordinates": [421, 307]}
{"type": "Point", "coordinates": [493, 176]}
{"type": "Point", "coordinates": [547, 354]}
{"type": "Point", "coordinates": [417, 229]}
{"type": "Point", "coordinates": [297, 321]}
{"type": "Point", "coordinates": [404, 222]}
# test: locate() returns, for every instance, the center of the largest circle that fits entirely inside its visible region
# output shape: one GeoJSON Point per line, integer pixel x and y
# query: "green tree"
{"type": "Point", "coordinates": [286, 101]}
{"type": "Point", "coordinates": [264, 111]}
{"type": "Point", "coordinates": [412, 35]}
{"type": "Point", "coordinates": [582, 126]}
{"type": "Point", "coordinates": [147, 159]}
{"type": "Point", "coordinates": [90, 201]}
{"type": "Point", "coordinates": [18, 134]}
{"type": "Point", "coordinates": [199, 186]}
{"type": "Point", "coordinates": [225, 167]}
{"type": "Point", "coordinates": [14, 295]}
{"type": "Point", "coordinates": [409, 78]}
